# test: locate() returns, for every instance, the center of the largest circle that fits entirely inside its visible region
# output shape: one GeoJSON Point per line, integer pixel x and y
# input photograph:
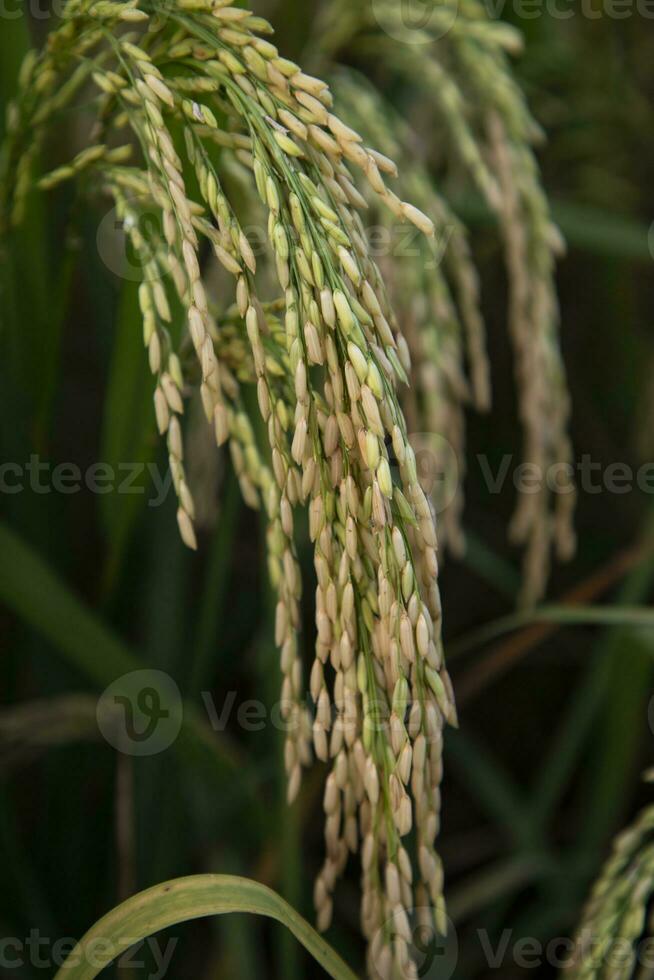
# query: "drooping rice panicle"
{"type": "Point", "coordinates": [615, 930]}
{"type": "Point", "coordinates": [192, 100]}
{"type": "Point", "coordinates": [456, 66]}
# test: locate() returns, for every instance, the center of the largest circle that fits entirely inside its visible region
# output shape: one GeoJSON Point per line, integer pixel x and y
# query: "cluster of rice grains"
{"type": "Point", "coordinates": [614, 941]}
{"type": "Point", "coordinates": [210, 108]}
{"type": "Point", "coordinates": [451, 64]}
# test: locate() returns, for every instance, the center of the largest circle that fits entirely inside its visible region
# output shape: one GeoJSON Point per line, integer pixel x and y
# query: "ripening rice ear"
{"type": "Point", "coordinates": [327, 355]}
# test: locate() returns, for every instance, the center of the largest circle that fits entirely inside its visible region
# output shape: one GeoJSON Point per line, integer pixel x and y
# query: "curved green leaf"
{"type": "Point", "coordinates": [30, 588]}
{"type": "Point", "coordinates": [181, 900]}
{"type": "Point", "coordinates": [636, 617]}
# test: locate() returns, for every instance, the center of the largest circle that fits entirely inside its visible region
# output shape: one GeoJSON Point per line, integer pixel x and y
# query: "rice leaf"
{"type": "Point", "coordinates": [31, 590]}
{"type": "Point", "coordinates": [634, 617]}
{"type": "Point", "coordinates": [182, 900]}
{"type": "Point", "coordinates": [128, 425]}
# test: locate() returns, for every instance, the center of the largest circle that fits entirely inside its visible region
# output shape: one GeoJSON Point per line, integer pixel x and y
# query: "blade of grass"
{"type": "Point", "coordinates": [502, 880]}
{"type": "Point", "coordinates": [596, 688]}
{"type": "Point", "coordinates": [493, 569]}
{"type": "Point", "coordinates": [165, 602]}
{"type": "Point", "coordinates": [506, 654]}
{"type": "Point", "coordinates": [493, 788]}
{"type": "Point", "coordinates": [180, 901]}
{"type": "Point", "coordinates": [128, 433]}
{"type": "Point", "coordinates": [624, 724]}
{"type": "Point", "coordinates": [586, 228]}
{"type": "Point", "coordinates": [239, 944]}
{"type": "Point", "coordinates": [215, 586]}
{"type": "Point", "coordinates": [30, 589]}
{"type": "Point", "coordinates": [31, 728]}
{"type": "Point", "coordinates": [26, 287]}
{"type": "Point", "coordinates": [568, 743]}
{"type": "Point", "coordinates": [635, 617]}
{"type": "Point", "coordinates": [14, 43]}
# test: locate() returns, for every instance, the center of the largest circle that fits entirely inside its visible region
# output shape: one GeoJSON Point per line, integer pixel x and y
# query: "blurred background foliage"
{"type": "Point", "coordinates": [554, 716]}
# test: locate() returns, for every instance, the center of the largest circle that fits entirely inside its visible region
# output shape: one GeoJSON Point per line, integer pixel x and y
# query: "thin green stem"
{"type": "Point", "coordinates": [637, 617]}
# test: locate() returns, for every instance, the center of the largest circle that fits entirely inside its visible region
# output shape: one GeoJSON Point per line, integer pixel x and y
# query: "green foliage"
{"type": "Point", "coordinates": [178, 901]}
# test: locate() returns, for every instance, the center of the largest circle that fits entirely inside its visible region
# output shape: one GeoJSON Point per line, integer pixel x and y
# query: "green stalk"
{"type": "Point", "coordinates": [635, 617]}
{"type": "Point", "coordinates": [31, 590]}
{"type": "Point", "coordinates": [217, 576]}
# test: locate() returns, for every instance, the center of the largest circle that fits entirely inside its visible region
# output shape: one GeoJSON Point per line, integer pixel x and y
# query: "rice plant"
{"type": "Point", "coordinates": [196, 129]}
{"type": "Point", "coordinates": [614, 936]}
